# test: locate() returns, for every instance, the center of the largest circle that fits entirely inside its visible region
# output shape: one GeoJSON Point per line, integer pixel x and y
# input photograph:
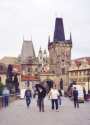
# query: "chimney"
{"type": "Point", "coordinates": [59, 30]}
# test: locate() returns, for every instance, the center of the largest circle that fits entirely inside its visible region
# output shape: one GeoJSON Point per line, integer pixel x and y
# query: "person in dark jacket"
{"type": "Point", "coordinates": [85, 95]}
{"type": "Point", "coordinates": [28, 96]}
{"type": "Point", "coordinates": [75, 97]}
{"type": "Point", "coordinates": [41, 92]}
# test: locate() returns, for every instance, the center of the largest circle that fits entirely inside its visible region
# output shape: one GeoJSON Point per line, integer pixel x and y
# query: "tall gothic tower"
{"type": "Point", "coordinates": [60, 52]}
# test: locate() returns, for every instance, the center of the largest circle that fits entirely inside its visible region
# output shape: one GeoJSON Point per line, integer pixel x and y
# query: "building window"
{"type": "Point", "coordinates": [83, 79]}
{"type": "Point", "coordinates": [63, 71]}
{"type": "Point", "coordinates": [71, 73]}
{"type": "Point", "coordinates": [80, 73]}
{"type": "Point", "coordinates": [1, 68]}
{"type": "Point", "coordinates": [29, 70]}
{"type": "Point", "coordinates": [36, 70]}
{"type": "Point", "coordinates": [75, 73]}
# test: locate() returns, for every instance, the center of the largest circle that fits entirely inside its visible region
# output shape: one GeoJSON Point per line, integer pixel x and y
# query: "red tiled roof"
{"type": "Point", "coordinates": [78, 60]}
{"type": "Point", "coordinates": [87, 58]}
{"type": "Point", "coordinates": [78, 63]}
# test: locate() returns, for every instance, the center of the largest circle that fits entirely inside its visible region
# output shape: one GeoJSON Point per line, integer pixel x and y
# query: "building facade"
{"type": "Point", "coordinates": [79, 71]}
{"type": "Point", "coordinates": [60, 52]}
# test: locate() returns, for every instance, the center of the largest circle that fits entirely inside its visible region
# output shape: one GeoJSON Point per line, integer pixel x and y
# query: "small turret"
{"type": "Point", "coordinates": [48, 39]}
{"type": "Point", "coordinates": [40, 56]}
{"type": "Point", "coordinates": [70, 37]}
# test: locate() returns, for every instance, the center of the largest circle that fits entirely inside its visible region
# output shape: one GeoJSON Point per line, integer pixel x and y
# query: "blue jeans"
{"type": "Point", "coordinates": [54, 104]}
{"type": "Point", "coordinates": [5, 101]}
{"type": "Point", "coordinates": [28, 101]}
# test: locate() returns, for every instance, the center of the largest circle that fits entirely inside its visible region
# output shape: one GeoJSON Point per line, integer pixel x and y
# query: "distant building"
{"type": "Point", "coordinates": [43, 63]}
{"type": "Point", "coordinates": [3, 68]}
{"type": "Point", "coordinates": [9, 60]}
{"type": "Point", "coordinates": [79, 71]}
{"type": "Point", "coordinates": [60, 52]}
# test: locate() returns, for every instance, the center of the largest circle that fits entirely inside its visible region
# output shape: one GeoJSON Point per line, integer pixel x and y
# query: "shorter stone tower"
{"type": "Point", "coordinates": [27, 51]}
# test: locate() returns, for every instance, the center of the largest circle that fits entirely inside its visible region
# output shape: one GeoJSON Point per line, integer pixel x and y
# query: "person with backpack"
{"type": "Point", "coordinates": [28, 96]}
{"type": "Point", "coordinates": [41, 92]}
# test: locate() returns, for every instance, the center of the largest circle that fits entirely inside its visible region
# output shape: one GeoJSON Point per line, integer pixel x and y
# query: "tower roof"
{"type": "Point", "coordinates": [59, 30]}
{"type": "Point", "coordinates": [27, 50]}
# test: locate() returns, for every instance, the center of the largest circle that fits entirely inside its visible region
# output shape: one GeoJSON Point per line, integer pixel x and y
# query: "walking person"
{"type": "Point", "coordinates": [5, 98]}
{"type": "Point", "coordinates": [28, 96]}
{"type": "Point", "coordinates": [41, 92]}
{"type": "Point", "coordinates": [59, 97]}
{"type": "Point", "coordinates": [75, 97]}
{"type": "Point", "coordinates": [85, 95]}
{"type": "Point", "coordinates": [54, 94]}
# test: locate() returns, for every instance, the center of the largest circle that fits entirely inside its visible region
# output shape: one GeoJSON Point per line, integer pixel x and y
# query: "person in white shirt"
{"type": "Point", "coordinates": [54, 97]}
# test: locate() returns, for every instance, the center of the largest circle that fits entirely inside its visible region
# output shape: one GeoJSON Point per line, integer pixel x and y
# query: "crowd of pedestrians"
{"type": "Point", "coordinates": [40, 91]}
{"type": "Point", "coordinates": [54, 95]}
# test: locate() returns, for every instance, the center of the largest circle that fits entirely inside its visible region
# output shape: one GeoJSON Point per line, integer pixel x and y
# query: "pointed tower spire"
{"type": "Point", "coordinates": [59, 30]}
{"type": "Point", "coordinates": [40, 50]}
{"type": "Point", "coordinates": [48, 39]}
{"type": "Point", "coordinates": [70, 37]}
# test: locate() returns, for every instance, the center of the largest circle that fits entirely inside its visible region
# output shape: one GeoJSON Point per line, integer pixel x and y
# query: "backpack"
{"type": "Point", "coordinates": [44, 93]}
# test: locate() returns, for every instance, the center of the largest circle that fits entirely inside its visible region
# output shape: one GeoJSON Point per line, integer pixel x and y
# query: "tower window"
{"type": "Point", "coordinates": [63, 71]}
{"type": "Point", "coordinates": [29, 70]}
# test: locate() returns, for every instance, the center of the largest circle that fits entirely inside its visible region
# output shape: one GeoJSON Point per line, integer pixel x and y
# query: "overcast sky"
{"type": "Point", "coordinates": [36, 19]}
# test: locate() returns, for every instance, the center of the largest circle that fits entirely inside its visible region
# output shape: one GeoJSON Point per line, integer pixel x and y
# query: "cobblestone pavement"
{"type": "Point", "coordinates": [18, 114]}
